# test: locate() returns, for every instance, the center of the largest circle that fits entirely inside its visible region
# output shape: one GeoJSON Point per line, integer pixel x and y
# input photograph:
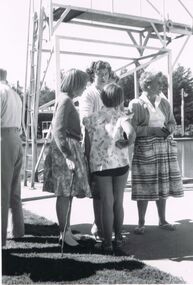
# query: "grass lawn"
{"type": "Point", "coordinates": [36, 258]}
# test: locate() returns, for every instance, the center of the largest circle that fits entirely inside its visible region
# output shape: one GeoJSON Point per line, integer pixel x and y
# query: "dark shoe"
{"type": "Point", "coordinates": [104, 248]}
{"type": "Point", "coordinates": [119, 244]}
{"type": "Point", "coordinates": [107, 248]}
{"type": "Point", "coordinates": [119, 240]}
{"type": "Point", "coordinates": [139, 230]}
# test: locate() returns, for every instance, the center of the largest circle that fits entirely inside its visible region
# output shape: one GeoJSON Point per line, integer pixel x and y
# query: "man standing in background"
{"type": "Point", "coordinates": [11, 159]}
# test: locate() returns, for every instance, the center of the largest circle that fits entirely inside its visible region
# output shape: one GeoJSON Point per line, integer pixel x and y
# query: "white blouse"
{"type": "Point", "coordinates": [157, 118]}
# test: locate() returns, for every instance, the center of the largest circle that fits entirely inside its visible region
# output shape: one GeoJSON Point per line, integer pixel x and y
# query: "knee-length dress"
{"type": "Point", "coordinates": [58, 178]}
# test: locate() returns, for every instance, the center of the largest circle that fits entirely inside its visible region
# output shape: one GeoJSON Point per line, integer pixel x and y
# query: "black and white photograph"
{"type": "Point", "coordinates": [96, 142]}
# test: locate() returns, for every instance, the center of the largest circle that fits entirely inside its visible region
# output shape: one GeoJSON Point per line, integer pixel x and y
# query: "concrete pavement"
{"type": "Point", "coordinates": [169, 251]}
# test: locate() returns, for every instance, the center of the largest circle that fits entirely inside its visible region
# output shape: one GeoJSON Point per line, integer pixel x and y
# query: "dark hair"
{"type": "Point", "coordinates": [96, 66]}
{"type": "Point", "coordinates": [114, 77]}
{"type": "Point", "coordinates": [73, 80]}
{"type": "Point", "coordinates": [112, 95]}
{"type": "Point", "coordinates": [147, 78]}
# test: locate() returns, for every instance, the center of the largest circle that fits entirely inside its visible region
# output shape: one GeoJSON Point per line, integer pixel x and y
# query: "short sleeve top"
{"type": "Point", "coordinates": [104, 128]}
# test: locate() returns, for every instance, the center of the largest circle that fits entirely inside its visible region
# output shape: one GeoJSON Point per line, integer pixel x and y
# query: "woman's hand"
{"type": "Point", "coordinates": [170, 128]}
{"type": "Point", "coordinates": [161, 132]}
{"type": "Point", "coordinates": [70, 163]}
{"type": "Point", "coordinates": [121, 143]}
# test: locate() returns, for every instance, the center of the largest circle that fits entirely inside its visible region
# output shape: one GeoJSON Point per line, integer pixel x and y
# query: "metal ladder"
{"type": "Point", "coordinates": [30, 157]}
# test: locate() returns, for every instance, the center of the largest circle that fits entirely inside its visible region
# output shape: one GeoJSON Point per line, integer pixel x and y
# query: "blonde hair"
{"type": "Point", "coordinates": [112, 95]}
{"type": "Point", "coordinates": [147, 77]}
{"type": "Point", "coordinates": [73, 80]}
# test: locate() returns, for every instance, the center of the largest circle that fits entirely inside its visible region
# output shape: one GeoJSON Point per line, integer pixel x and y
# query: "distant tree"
{"type": "Point", "coordinates": [165, 85]}
{"type": "Point", "coordinates": [46, 95]}
{"type": "Point", "coordinates": [127, 83]}
{"type": "Point", "coordinates": [182, 78]}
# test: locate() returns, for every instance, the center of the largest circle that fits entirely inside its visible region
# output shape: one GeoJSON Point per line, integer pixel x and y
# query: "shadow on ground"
{"type": "Point", "coordinates": [38, 254]}
{"type": "Point", "coordinates": [58, 268]}
{"type": "Point", "coordinates": [157, 243]}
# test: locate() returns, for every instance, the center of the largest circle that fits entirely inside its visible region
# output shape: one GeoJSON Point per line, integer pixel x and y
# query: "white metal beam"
{"type": "Point", "coordinates": [108, 42]}
{"type": "Point", "coordinates": [170, 80]}
{"type": "Point", "coordinates": [57, 65]}
{"type": "Point", "coordinates": [64, 14]}
{"type": "Point", "coordinates": [143, 65]}
{"type": "Point", "coordinates": [186, 9]}
{"type": "Point", "coordinates": [181, 50]}
{"type": "Point", "coordinates": [95, 25]}
{"type": "Point", "coordinates": [158, 35]}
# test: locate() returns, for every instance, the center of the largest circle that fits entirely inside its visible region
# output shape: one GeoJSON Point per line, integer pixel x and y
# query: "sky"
{"type": "Point", "coordinates": [14, 30]}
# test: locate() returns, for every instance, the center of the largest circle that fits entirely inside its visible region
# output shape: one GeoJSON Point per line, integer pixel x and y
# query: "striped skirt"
{"type": "Point", "coordinates": [155, 169]}
{"type": "Point", "coordinates": [59, 179]}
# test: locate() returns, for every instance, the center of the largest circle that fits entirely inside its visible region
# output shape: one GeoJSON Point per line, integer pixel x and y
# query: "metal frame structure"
{"type": "Point", "coordinates": [139, 30]}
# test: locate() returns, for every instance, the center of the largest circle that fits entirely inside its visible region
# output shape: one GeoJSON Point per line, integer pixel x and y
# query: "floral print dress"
{"type": "Point", "coordinates": [104, 128]}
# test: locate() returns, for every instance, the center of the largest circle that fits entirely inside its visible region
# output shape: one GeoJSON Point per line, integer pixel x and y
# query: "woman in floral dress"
{"type": "Point", "coordinates": [65, 172]}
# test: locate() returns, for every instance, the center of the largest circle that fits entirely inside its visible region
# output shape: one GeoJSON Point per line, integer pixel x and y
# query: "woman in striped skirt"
{"type": "Point", "coordinates": [155, 170]}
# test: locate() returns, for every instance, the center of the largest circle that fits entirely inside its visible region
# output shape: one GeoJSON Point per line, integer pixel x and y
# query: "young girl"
{"type": "Point", "coordinates": [109, 160]}
{"type": "Point", "coordinates": [65, 171]}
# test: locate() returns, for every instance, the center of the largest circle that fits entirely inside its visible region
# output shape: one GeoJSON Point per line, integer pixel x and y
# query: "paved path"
{"type": "Point", "coordinates": [169, 251]}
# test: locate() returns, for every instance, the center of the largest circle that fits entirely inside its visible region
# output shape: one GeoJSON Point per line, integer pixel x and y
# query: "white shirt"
{"type": "Point", "coordinates": [90, 102]}
{"type": "Point", "coordinates": [157, 118]}
{"type": "Point", "coordinates": [11, 107]}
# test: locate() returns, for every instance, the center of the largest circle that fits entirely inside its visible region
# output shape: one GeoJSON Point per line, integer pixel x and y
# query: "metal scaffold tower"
{"type": "Point", "coordinates": [149, 38]}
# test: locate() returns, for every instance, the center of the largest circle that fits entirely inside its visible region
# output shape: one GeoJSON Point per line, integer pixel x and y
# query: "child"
{"type": "Point", "coordinates": [65, 171]}
{"type": "Point", "coordinates": [109, 160]}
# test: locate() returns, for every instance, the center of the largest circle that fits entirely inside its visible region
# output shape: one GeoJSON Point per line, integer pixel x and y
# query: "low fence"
{"type": "Point", "coordinates": [185, 156]}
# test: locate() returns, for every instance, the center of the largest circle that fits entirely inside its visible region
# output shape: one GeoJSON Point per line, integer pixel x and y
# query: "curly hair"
{"type": "Point", "coordinates": [147, 78]}
{"type": "Point", "coordinates": [96, 66]}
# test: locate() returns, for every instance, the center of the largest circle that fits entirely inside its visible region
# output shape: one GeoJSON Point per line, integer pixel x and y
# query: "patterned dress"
{"type": "Point", "coordinates": [104, 128]}
{"type": "Point", "coordinates": [58, 178]}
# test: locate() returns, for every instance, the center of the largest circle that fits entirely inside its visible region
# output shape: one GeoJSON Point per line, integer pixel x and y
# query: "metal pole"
{"type": "Point", "coordinates": [57, 66]}
{"type": "Point", "coordinates": [170, 87]}
{"type": "Point", "coordinates": [26, 72]}
{"type": "Point", "coordinates": [182, 111]}
{"type": "Point", "coordinates": [136, 89]}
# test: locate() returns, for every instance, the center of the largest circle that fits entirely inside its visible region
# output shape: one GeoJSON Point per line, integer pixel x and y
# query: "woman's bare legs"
{"type": "Point", "coordinates": [111, 191]}
{"type": "Point", "coordinates": [97, 226]}
{"type": "Point", "coordinates": [105, 186]}
{"type": "Point", "coordinates": [142, 207]}
{"type": "Point", "coordinates": [161, 207]}
{"type": "Point", "coordinates": [119, 183]}
{"type": "Point", "coordinates": [63, 210]}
